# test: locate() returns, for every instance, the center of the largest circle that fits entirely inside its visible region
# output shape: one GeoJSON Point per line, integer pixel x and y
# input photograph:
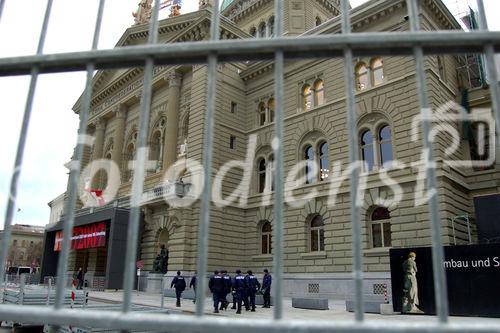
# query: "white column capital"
{"type": "Point", "coordinates": [174, 79]}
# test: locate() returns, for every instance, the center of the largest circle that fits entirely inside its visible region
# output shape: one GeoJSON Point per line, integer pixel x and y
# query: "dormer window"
{"type": "Point", "coordinates": [262, 30]}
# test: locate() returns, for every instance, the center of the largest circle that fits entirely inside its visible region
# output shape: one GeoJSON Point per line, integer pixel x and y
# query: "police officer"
{"type": "Point", "coordinates": [266, 288]}
{"type": "Point", "coordinates": [180, 285]}
{"type": "Point", "coordinates": [227, 289]}
{"type": "Point", "coordinates": [252, 286]}
{"type": "Point", "coordinates": [239, 286]}
{"type": "Point", "coordinates": [192, 284]}
{"type": "Point", "coordinates": [217, 287]}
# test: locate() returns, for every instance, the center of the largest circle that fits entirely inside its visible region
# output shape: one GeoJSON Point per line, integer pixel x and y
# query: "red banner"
{"type": "Point", "coordinates": [84, 237]}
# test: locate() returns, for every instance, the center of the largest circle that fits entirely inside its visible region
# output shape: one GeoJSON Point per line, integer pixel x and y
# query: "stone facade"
{"type": "Point", "coordinates": [313, 255]}
{"type": "Point", "coordinates": [25, 247]}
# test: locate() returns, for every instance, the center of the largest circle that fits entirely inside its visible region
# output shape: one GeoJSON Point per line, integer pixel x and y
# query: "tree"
{"type": "Point", "coordinates": [12, 254]}
{"type": "Point", "coordinates": [34, 253]}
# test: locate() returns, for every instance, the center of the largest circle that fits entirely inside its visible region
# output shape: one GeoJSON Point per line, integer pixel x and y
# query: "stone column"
{"type": "Point", "coordinates": [170, 143]}
{"type": "Point", "coordinates": [100, 127]}
{"type": "Point", "coordinates": [121, 115]}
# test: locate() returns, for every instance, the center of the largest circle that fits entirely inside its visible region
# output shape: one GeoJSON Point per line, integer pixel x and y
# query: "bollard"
{"type": "Point", "coordinates": [49, 287]}
{"type": "Point", "coordinates": [138, 280]}
{"type": "Point", "coordinates": [161, 292]}
{"type": "Point", "coordinates": [22, 283]}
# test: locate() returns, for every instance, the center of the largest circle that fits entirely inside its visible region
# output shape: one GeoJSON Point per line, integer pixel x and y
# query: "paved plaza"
{"type": "Point", "coordinates": [337, 310]}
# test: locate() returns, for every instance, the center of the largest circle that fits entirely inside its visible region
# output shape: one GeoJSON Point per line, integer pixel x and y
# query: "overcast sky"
{"type": "Point", "coordinates": [53, 128]}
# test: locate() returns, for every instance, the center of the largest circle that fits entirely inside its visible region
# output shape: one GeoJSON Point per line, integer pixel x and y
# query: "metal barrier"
{"type": "Point", "coordinates": [345, 45]}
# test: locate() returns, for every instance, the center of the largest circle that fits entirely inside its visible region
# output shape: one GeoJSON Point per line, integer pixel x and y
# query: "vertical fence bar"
{"type": "Point", "coordinates": [2, 3]}
{"type": "Point", "coordinates": [21, 145]}
{"type": "Point", "coordinates": [208, 139]}
{"type": "Point", "coordinates": [357, 268]}
{"type": "Point", "coordinates": [278, 145]}
{"type": "Point", "coordinates": [139, 170]}
{"type": "Point", "coordinates": [440, 291]}
{"type": "Point", "coordinates": [76, 168]}
{"type": "Point", "coordinates": [489, 54]}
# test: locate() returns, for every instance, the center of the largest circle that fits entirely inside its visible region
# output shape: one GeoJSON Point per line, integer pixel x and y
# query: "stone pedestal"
{"type": "Point", "coordinates": [154, 282]}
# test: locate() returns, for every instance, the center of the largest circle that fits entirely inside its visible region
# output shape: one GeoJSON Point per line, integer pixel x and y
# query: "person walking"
{"type": "Point", "coordinates": [217, 287]}
{"type": "Point", "coordinates": [179, 283]}
{"type": "Point", "coordinates": [266, 288]}
{"type": "Point", "coordinates": [253, 285]}
{"type": "Point", "coordinates": [239, 286]}
{"type": "Point", "coordinates": [227, 289]}
{"type": "Point", "coordinates": [79, 279]}
{"type": "Point", "coordinates": [192, 284]}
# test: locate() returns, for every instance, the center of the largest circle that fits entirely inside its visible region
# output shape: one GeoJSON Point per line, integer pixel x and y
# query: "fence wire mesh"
{"type": "Point", "coordinates": [346, 45]}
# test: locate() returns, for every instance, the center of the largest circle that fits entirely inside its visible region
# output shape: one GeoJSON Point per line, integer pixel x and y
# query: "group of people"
{"type": "Point", "coordinates": [242, 287]}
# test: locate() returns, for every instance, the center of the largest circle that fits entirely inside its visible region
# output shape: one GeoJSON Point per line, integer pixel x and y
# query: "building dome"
{"type": "Point", "coordinates": [226, 4]}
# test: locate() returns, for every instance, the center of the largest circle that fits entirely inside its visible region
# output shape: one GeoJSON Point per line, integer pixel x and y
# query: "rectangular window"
{"type": "Point", "coordinates": [376, 235]}
{"type": "Point", "coordinates": [314, 241]}
{"type": "Point", "coordinates": [232, 142]}
{"type": "Point", "coordinates": [387, 235]}
{"type": "Point", "coordinates": [233, 107]}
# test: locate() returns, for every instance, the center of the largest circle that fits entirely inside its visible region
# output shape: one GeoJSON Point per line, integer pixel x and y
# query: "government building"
{"type": "Point", "coordinates": [317, 235]}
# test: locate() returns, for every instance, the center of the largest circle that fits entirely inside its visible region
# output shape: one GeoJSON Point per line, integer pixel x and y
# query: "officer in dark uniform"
{"type": "Point", "coordinates": [227, 290]}
{"type": "Point", "coordinates": [266, 288]}
{"type": "Point", "coordinates": [239, 286]}
{"type": "Point", "coordinates": [252, 286]}
{"type": "Point", "coordinates": [192, 284]}
{"type": "Point", "coordinates": [217, 287]}
{"type": "Point", "coordinates": [180, 285]}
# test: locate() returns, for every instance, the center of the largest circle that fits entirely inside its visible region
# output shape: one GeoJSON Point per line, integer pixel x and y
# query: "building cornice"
{"type": "Point", "coordinates": [129, 83]}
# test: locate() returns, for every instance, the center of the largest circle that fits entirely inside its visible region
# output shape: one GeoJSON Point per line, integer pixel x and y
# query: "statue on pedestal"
{"type": "Point", "coordinates": [410, 286]}
{"type": "Point", "coordinates": [143, 13]}
{"type": "Point", "coordinates": [160, 264]}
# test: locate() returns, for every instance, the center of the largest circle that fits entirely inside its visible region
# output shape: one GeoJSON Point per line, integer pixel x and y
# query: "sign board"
{"type": "Point", "coordinates": [139, 264]}
{"type": "Point", "coordinates": [84, 237]}
{"type": "Point", "coordinates": [138, 272]}
{"type": "Point", "coordinates": [472, 274]}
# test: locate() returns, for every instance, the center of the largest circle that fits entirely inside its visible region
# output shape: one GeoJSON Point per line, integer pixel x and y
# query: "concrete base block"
{"type": "Point", "coordinates": [387, 309]}
{"type": "Point", "coordinates": [154, 282]}
{"type": "Point", "coordinates": [310, 303]}
{"type": "Point", "coordinates": [370, 306]}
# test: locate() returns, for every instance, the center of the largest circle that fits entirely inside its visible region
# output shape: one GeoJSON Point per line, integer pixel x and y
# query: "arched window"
{"type": "Point", "coordinates": [253, 32]}
{"type": "Point", "coordinates": [380, 227]}
{"type": "Point", "coordinates": [129, 156]}
{"type": "Point", "coordinates": [361, 76]}
{"type": "Point", "coordinates": [270, 173]}
{"type": "Point", "coordinates": [262, 114]}
{"type": "Point", "coordinates": [307, 98]}
{"type": "Point", "coordinates": [318, 20]}
{"type": "Point", "coordinates": [385, 144]}
{"type": "Point", "coordinates": [155, 153]}
{"type": "Point", "coordinates": [324, 167]}
{"type": "Point", "coordinates": [262, 30]}
{"type": "Point", "coordinates": [266, 238]}
{"type": "Point", "coordinates": [309, 158]}
{"type": "Point", "coordinates": [270, 26]}
{"type": "Point", "coordinates": [109, 150]}
{"type": "Point", "coordinates": [262, 175]}
{"type": "Point", "coordinates": [377, 67]}
{"type": "Point", "coordinates": [156, 144]}
{"type": "Point", "coordinates": [367, 149]}
{"type": "Point", "coordinates": [317, 240]}
{"type": "Point", "coordinates": [270, 106]}
{"type": "Point", "coordinates": [319, 95]}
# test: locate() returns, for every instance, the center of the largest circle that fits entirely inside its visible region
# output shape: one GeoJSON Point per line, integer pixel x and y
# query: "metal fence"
{"type": "Point", "coordinates": [345, 45]}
